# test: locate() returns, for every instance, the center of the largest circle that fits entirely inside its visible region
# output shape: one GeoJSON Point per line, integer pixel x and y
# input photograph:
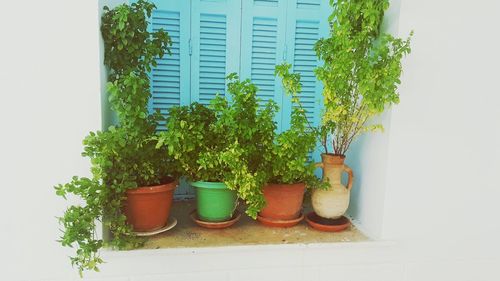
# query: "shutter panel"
{"type": "Point", "coordinates": [263, 46]}
{"type": "Point", "coordinates": [212, 38]}
{"type": "Point", "coordinates": [216, 40]}
{"type": "Point", "coordinates": [165, 77]}
{"type": "Point", "coordinates": [307, 21]}
{"type": "Point", "coordinates": [212, 49]}
{"type": "Point", "coordinates": [304, 62]}
{"type": "Point", "coordinates": [263, 57]}
{"type": "Point", "coordinates": [170, 78]}
{"type": "Point", "coordinates": [212, 66]}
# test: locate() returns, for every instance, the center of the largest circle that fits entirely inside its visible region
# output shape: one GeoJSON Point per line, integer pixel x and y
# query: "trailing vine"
{"type": "Point", "coordinates": [125, 156]}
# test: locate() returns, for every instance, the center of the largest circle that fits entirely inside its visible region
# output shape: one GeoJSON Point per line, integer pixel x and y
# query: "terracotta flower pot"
{"type": "Point", "coordinates": [283, 201]}
{"type": "Point", "coordinates": [148, 208]}
{"type": "Point", "coordinates": [333, 202]}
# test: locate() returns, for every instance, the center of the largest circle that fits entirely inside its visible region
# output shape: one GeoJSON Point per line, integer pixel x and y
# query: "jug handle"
{"type": "Point", "coordinates": [318, 164]}
{"type": "Point", "coordinates": [350, 175]}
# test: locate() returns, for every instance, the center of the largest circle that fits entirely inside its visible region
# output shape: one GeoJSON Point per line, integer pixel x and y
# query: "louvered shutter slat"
{"type": "Point", "coordinates": [165, 77]}
{"type": "Point", "coordinates": [304, 61]}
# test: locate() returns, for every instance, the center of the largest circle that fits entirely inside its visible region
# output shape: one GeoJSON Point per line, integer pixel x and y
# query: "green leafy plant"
{"type": "Point", "coordinates": [189, 135]}
{"type": "Point", "coordinates": [229, 141]}
{"type": "Point", "coordinates": [290, 161]}
{"type": "Point", "coordinates": [128, 45]}
{"type": "Point", "coordinates": [125, 156]}
{"type": "Point", "coordinates": [360, 73]}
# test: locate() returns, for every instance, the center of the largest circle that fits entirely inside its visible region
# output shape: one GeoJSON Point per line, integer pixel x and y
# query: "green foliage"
{"type": "Point", "coordinates": [290, 161]}
{"type": "Point", "coordinates": [230, 141]}
{"type": "Point", "coordinates": [189, 135]}
{"type": "Point", "coordinates": [129, 95]}
{"type": "Point", "coordinates": [361, 70]}
{"type": "Point", "coordinates": [123, 157]}
{"type": "Point", "coordinates": [128, 45]}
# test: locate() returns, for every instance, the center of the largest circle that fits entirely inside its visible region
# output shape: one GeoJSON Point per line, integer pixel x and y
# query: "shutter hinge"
{"type": "Point", "coordinates": [285, 52]}
{"type": "Point", "coordinates": [190, 46]}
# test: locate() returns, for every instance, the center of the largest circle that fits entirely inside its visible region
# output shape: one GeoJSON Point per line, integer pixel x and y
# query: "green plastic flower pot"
{"type": "Point", "coordinates": [214, 201]}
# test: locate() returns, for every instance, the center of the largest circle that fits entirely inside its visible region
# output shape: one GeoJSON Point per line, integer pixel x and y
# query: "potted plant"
{"type": "Point", "coordinates": [191, 138]}
{"type": "Point", "coordinates": [223, 149]}
{"type": "Point", "coordinates": [360, 76]}
{"type": "Point", "coordinates": [291, 169]}
{"type": "Point", "coordinates": [132, 183]}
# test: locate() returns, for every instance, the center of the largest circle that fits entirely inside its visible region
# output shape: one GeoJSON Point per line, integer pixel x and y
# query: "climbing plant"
{"type": "Point", "coordinates": [124, 156]}
{"type": "Point", "coordinates": [128, 45]}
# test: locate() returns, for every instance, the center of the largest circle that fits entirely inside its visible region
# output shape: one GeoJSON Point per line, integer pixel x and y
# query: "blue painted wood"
{"type": "Point", "coordinates": [212, 53]}
{"type": "Point", "coordinates": [214, 48]}
{"type": "Point", "coordinates": [304, 61]}
{"type": "Point", "coordinates": [170, 79]}
{"type": "Point", "coordinates": [309, 4]}
{"type": "Point", "coordinates": [307, 21]}
{"type": "Point", "coordinates": [304, 28]}
{"type": "Point", "coordinates": [263, 46]}
{"type": "Point", "coordinates": [215, 35]}
{"type": "Point", "coordinates": [165, 77]}
{"type": "Point", "coordinates": [247, 36]}
{"type": "Point", "coordinates": [271, 3]}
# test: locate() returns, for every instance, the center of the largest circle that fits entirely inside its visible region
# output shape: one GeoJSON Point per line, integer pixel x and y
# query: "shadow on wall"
{"type": "Point", "coordinates": [368, 156]}
{"type": "Point", "coordinates": [354, 159]}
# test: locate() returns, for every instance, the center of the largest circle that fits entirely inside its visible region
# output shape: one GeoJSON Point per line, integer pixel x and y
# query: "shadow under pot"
{"type": "Point", "coordinates": [148, 208]}
{"type": "Point", "coordinates": [283, 204]}
{"type": "Point", "coordinates": [214, 201]}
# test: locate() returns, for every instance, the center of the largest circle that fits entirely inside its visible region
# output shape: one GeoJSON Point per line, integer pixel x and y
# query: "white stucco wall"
{"type": "Point", "coordinates": [441, 150]}
{"type": "Point", "coordinates": [49, 87]}
{"type": "Point", "coordinates": [443, 182]}
{"type": "Point", "coordinates": [368, 158]}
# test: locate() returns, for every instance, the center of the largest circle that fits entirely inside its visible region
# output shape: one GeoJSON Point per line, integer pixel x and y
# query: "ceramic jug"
{"type": "Point", "coordinates": [333, 202]}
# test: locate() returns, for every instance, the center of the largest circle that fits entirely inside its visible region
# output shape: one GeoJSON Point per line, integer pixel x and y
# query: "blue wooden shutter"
{"type": "Point", "coordinates": [307, 21]}
{"type": "Point", "coordinates": [215, 37]}
{"type": "Point", "coordinates": [263, 46]}
{"type": "Point", "coordinates": [170, 79]}
{"type": "Point", "coordinates": [215, 42]}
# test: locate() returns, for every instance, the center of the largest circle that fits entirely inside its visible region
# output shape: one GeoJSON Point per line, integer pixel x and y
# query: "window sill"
{"type": "Point", "coordinates": [246, 246]}
{"type": "Point", "coordinates": [245, 232]}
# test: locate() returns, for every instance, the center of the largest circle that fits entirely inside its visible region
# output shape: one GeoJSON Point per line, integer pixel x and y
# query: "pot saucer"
{"type": "Point", "coordinates": [171, 223]}
{"type": "Point", "coordinates": [215, 225]}
{"type": "Point", "coordinates": [280, 223]}
{"type": "Point", "coordinates": [329, 225]}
